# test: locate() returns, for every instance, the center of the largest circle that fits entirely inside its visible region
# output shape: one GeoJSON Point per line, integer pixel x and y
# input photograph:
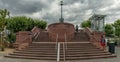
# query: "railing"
{"type": "Point", "coordinates": [95, 40]}
{"type": "Point", "coordinates": [35, 36]}
{"type": "Point", "coordinates": [65, 41]}
{"type": "Point", "coordinates": [56, 45]}
{"type": "Point", "coordinates": [64, 49]}
{"type": "Point", "coordinates": [57, 48]}
{"type": "Point", "coordinates": [58, 52]}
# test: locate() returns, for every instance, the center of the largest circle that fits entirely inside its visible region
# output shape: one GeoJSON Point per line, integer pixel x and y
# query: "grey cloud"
{"type": "Point", "coordinates": [23, 7]}
{"type": "Point", "coordinates": [72, 13]}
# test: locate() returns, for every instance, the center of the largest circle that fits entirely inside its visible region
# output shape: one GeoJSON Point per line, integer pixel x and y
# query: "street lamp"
{"type": "Point", "coordinates": [61, 19]}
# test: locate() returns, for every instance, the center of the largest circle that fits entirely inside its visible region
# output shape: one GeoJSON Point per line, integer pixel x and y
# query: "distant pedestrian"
{"type": "Point", "coordinates": [76, 28]}
{"type": "Point", "coordinates": [103, 42]}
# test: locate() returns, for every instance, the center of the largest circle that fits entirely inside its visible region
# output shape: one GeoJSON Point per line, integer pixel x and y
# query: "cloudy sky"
{"type": "Point", "coordinates": [75, 11]}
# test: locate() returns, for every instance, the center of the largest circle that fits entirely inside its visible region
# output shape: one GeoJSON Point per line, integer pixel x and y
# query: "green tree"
{"type": "Point", "coordinates": [85, 24]}
{"type": "Point", "coordinates": [109, 29]}
{"type": "Point", "coordinates": [117, 27]}
{"type": "Point", "coordinates": [40, 24]}
{"type": "Point", "coordinates": [3, 14]}
{"type": "Point", "coordinates": [22, 23]}
{"type": "Point", "coordinates": [11, 38]}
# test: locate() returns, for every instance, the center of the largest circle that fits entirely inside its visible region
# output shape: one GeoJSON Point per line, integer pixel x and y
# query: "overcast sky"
{"type": "Point", "coordinates": [75, 11]}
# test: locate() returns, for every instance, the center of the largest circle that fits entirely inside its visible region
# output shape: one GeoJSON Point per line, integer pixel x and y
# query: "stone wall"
{"type": "Point", "coordinates": [24, 38]}
{"type": "Point", "coordinates": [95, 37]}
{"type": "Point", "coordinates": [61, 30]}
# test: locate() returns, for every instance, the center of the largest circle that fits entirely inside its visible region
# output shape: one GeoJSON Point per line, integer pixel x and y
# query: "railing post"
{"type": "Point", "coordinates": [58, 53]}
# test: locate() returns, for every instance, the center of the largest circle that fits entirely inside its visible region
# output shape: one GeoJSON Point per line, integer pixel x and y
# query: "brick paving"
{"type": "Point", "coordinates": [116, 59]}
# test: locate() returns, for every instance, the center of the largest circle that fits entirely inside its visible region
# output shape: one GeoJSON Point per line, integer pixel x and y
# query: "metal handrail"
{"type": "Point", "coordinates": [58, 53]}
{"type": "Point", "coordinates": [64, 51]}
{"type": "Point", "coordinates": [36, 36]}
{"type": "Point", "coordinates": [57, 47]}
{"type": "Point", "coordinates": [56, 42]}
{"type": "Point", "coordinates": [65, 41]}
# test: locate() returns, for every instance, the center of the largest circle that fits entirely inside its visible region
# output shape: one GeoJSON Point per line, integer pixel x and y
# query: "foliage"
{"type": "Point", "coordinates": [85, 24]}
{"type": "Point", "coordinates": [3, 14]}
{"type": "Point", "coordinates": [40, 24]}
{"type": "Point", "coordinates": [11, 38]}
{"type": "Point", "coordinates": [22, 23]}
{"type": "Point", "coordinates": [17, 23]}
{"type": "Point", "coordinates": [117, 28]}
{"type": "Point", "coordinates": [109, 29]}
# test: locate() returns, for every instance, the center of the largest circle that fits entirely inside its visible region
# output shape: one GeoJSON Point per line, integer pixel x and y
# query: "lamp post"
{"type": "Point", "coordinates": [61, 19]}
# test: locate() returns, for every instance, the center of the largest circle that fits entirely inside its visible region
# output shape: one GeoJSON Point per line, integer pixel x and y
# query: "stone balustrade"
{"type": "Point", "coordinates": [24, 38]}
{"type": "Point", "coordinates": [95, 37]}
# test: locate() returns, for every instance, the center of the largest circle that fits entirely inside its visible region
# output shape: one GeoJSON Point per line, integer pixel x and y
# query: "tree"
{"type": "Point", "coordinates": [40, 24]}
{"type": "Point", "coordinates": [3, 14]}
{"type": "Point", "coordinates": [109, 29]}
{"type": "Point", "coordinates": [85, 24]}
{"type": "Point", "coordinates": [23, 23]}
{"type": "Point", "coordinates": [117, 27]}
{"type": "Point", "coordinates": [20, 23]}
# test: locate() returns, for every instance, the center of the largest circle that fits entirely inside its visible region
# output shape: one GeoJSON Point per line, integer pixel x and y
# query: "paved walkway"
{"type": "Point", "coordinates": [116, 59]}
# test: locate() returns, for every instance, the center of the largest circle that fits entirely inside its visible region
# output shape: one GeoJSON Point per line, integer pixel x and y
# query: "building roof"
{"type": "Point", "coordinates": [97, 17]}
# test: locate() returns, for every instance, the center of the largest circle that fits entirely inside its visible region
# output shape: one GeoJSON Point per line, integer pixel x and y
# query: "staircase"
{"type": "Point", "coordinates": [47, 51]}
{"type": "Point", "coordinates": [42, 51]}
{"type": "Point", "coordinates": [80, 37]}
{"type": "Point", "coordinates": [43, 37]}
{"type": "Point", "coordinates": [77, 49]}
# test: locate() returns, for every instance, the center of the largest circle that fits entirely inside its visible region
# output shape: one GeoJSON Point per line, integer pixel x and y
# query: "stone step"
{"type": "Point", "coordinates": [89, 57]}
{"type": "Point", "coordinates": [36, 50]}
{"type": "Point", "coordinates": [54, 52]}
{"type": "Point", "coordinates": [61, 46]}
{"type": "Point", "coordinates": [68, 48]}
{"type": "Point", "coordinates": [69, 43]}
{"type": "Point", "coordinates": [29, 57]}
{"type": "Point", "coordinates": [67, 58]}
{"type": "Point", "coordinates": [50, 55]}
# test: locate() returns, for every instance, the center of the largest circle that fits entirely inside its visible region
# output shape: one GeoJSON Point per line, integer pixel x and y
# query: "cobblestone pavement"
{"type": "Point", "coordinates": [116, 59]}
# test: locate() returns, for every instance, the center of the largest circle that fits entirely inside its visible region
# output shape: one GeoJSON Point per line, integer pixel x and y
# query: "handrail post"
{"type": "Point", "coordinates": [58, 53]}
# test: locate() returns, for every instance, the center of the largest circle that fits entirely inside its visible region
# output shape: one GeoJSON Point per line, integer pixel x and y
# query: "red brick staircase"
{"type": "Point", "coordinates": [77, 49]}
{"type": "Point", "coordinates": [43, 37]}
{"type": "Point", "coordinates": [80, 37]}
